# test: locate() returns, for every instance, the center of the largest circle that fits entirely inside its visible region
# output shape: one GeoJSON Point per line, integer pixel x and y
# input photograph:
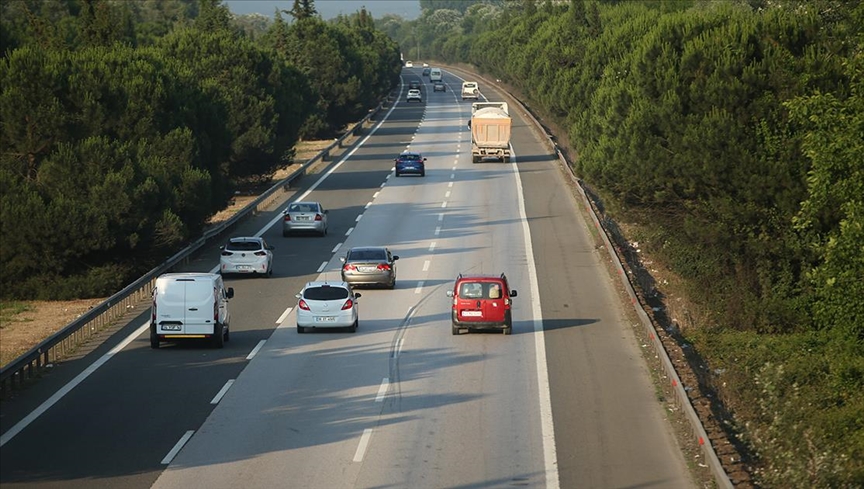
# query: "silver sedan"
{"type": "Point", "coordinates": [304, 217]}
{"type": "Point", "coordinates": [370, 265]}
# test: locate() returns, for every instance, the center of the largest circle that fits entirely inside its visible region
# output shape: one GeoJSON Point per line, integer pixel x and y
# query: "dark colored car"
{"type": "Point", "coordinates": [481, 302]}
{"type": "Point", "coordinates": [414, 84]}
{"type": "Point", "coordinates": [409, 162]}
{"type": "Point", "coordinates": [369, 265]}
{"type": "Point", "coordinates": [426, 71]}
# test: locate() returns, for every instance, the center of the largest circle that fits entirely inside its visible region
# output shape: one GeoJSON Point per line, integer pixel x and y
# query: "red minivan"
{"type": "Point", "coordinates": [481, 302]}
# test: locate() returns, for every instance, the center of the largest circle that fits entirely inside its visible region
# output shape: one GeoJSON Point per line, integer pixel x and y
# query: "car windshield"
{"type": "Point", "coordinates": [303, 208]}
{"type": "Point", "coordinates": [355, 255]}
{"type": "Point", "coordinates": [325, 293]}
{"type": "Point", "coordinates": [243, 246]}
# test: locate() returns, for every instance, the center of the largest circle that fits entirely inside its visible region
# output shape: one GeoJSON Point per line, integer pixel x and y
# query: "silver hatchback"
{"type": "Point", "coordinates": [370, 265]}
{"type": "Point", "coordinates": [304, 217]}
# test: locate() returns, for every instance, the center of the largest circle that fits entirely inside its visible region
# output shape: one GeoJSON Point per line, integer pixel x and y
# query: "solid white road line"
{"type": "Point", "coordinates": [336, 248]}
{"type": "Point", "coordinates": [550, 456]}
{"type": "Point", "coordinates": [227, 386]}
{"type": "Point", "coordinates": [322, 267]}
{"type": "Point", "coordinates": [19, 426]}
{"type": "Point", "coordinates": [382, 390]}
{"type": "Point", "coordinates": [260, 344]}
{"type": "Point", "coordinates": [419, 287]}
{"type": "Point", "coordinates": [426, 264]}
{"type": "Point", "coordinates": [364, 443]}
{"type": "Point", "coordinates": [179, 446]}
{"type": "Point", "coordinates": [283, 316]}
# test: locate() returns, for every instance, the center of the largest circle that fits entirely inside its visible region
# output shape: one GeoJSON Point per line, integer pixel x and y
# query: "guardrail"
{"type": "Point", "coordinates": [29, 364]}
{"type": "Point", "coordinates": [682, 400]}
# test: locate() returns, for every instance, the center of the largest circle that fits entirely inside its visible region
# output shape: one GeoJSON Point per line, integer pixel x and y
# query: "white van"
{"type": "Point", "coordinates": [190, 305]}
{"type": "Point", "coordinates": [470, 90]}
{"type": "Point", "coordinates": [435, 74]}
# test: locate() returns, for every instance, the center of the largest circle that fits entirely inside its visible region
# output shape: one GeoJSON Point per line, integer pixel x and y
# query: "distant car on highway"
{"type": "Point", "coordinates": [439, 87]}
{"type": "Point", "coordinates": [481, 302]}
{"type": "Point", "coordinates": [410, 162]}
{"type": "Point", "coordinates": [425, 65]}
{"type": "Point", "coordinates": [414, 94]}
{"type": "Point", "coordinates": [369, 266]}
{"type": "Point", "coordinates": [304, 217]}
{"type": "Point", "coordinates": [246, 255]}
{"type": "Point", "coordinates": [409, 64]}
{"type": "Point", "coordinates": [426, 71]}
{"type": "Point", "coordinates": [414, 85]}
{"type": "Point", "coordinates": [327, 305]}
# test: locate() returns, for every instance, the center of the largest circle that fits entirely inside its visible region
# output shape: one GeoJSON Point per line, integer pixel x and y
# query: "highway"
{"type": "Point", "coordinates": [566, 401]}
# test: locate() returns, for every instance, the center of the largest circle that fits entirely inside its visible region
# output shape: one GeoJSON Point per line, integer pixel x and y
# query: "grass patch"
{"type": "Point", "coordinates": [9, 310]}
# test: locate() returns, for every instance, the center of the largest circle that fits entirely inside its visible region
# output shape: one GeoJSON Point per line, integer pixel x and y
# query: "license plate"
{"type": "Point", "coordinates": [472, 313]}
{"type": "Point", "coordinates": [244, 267]}
{"type": "Point", "coordinates": [304, 218]}
{"type": "Point", "coordinates": [171, 327]}
{"type": "Point", "coordinates": [366, 269]}
{"type": "Point", "coordinates": [324, 319]}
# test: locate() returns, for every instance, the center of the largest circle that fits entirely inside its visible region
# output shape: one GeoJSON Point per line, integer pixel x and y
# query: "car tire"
{"type": "Point", "coordinates": [398, 174]}
{"type": "Point", "coordinates": [353, 327]}
{"type": "Point", "coordinates": [508, 324]}
{"type": "Point", "coordinates": [219, 336]}
{"type": "Point", "coordinates": [227, 334]}
{"type": "Point", "coordinates": [154, 338]}
{"type": "Point", "coordinates": [300, 329]}
{"type": "Point", "coordinates": [423, 173]}
{"type": "Point", "coordinates": [454, 329]}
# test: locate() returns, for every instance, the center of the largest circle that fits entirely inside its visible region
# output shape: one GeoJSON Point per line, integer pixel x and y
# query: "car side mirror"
{"type": "Point", "coordinates": [342, 259]}
{"type": "Point", "coordinates": [395, 257]}
{"type": "Point", "coordinates": [424, 159]}
{"type": "Point", "coordinates": [230, 293]}
{"type": "Point", "coordinates": [285, 212]}
{"type": "Point", "coordinates": [357, 296]}
{"type": "Point", "coordinates": [449, 293]}
{"type": "Point", "coordinates": [513, 293]}
{"type": "Point", "coordinates": [298, 295]}
{"type": "Point", "coordinates": [222, 248]}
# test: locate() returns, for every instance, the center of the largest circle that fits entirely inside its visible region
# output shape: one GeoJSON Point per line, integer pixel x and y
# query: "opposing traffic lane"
{"type": "Point", "coordinates": [115, 428]}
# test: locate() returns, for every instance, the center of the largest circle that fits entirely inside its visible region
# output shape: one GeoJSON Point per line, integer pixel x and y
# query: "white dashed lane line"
{"type": "Point", "coordinates": [322, 267]}
{"type": "Point", "coordinates": [260, 344]}
{"type": "Point", "coordinates": [224, 390]}
{"type": "Point", "coordinates": [440, 216]}
{"type": "Point", "coordinates": [282, 317]}
{"type": "Point", "coordinates": [375, 195]}
{"type": "Point", "coordinates": [444, 204]}
{"type": "Point", "coordinates": [364, 443]}
{"type": "Point", "coordinates": [367, 205]}
{"type": "Point", "coordinates": [358, 218]}
{"type": "Point", "coordinates": [336, 248]}
{"type": "Point", "coordinates": [432, 246]}
{"type": "Point", "coordinates": [348, 231]}
{"type": "Point", "coordinates": [382, 390]}
{"type": "Point", "coordinates": [426, 264]}
{"type": "Point", "coordinates": [437, 230]}
{"type": "Point", "coordinates": [447, 194]}
{"type": "Point", "coordinates": [419, 287]}
{"type": "Point", "coordinates": [179, 446]}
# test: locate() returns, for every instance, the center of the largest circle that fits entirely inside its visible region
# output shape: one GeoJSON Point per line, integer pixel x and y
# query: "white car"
{"type": "Point", "coordinates": [409, 64]}
{"type": "Point", "coordinates": [327, 305]}
{"type": "Point", "coordinates": [414, 94]}
{"type": "Point", "coordinates": [246, 256]}
{"type": "Point", "coordinates": [425, 65]}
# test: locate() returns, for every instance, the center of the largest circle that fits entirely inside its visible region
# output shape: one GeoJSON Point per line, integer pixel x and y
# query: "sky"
{"type": "Point", "coordinates": [328, 9]}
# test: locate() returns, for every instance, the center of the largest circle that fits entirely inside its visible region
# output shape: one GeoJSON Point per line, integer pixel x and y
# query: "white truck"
{"type": "Point", "coordinates": [470, 89]}
{"type": "Point", "coordinates": [435, 75]}
{"type": "Point", "coordinates": [490, 131]}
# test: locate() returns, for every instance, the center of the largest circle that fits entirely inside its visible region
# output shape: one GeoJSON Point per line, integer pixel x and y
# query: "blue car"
{"type": "Point", "coordinates": [410, 163]}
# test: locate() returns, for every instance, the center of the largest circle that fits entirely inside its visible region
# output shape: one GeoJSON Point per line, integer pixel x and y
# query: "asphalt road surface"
{"type": "Point", "coordinates": [566, 401]}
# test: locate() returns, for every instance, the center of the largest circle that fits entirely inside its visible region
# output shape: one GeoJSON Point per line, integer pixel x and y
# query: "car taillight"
{"type": "Point", "coordinates": [318, 217]}
{"type": "Point", "coordinates": [349, 266]}
{"type": "Point", "coordinates": [227, 253]}
{"type": "Point", "coordinates": [506, 302]}
{"type": "Point", "coordinates": [303, 305]}
{"type": "Point", "coordinates": [260, 253]}
{"type": "Point", "coordinates": [287, 217]}
{"type": "Point", "coordinates": [384, 267]}
{"type": "Point", "coordinates": [348, 305]}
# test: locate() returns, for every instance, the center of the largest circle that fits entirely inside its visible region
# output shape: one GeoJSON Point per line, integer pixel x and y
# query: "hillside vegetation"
{"type": "Point", "coordinates": [732, 134]}
{"type": "Point", "coordinates": [125, 125]}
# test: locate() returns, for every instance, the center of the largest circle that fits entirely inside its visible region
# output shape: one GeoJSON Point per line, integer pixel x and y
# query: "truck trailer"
{"type": "Point", "coordinates": [490, 131]}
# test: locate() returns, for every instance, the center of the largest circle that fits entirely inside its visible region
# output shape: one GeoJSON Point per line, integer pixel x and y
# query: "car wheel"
{"type": "Point", "coordinates": [227, 334]}
{"type": "Point", "coordinates": [353, 327]}
{"type": "Point", "coordinates": [454, 329]}
{"type": "Point", "coordinates": [219, 336]}
{"type": "Point", "coordinates": [423, 173]}
{"type": "Point", "coordinates": [398, 174]}
{"type": "Point", "coordinates": [508, 324]}
{"type": "Point", "coordinates": [300, 329]}
{"type": "Point", "coordinates": [154, 338]}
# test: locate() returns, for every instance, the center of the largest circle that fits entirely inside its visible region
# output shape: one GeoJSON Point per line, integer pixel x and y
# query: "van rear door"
{"type": "Point", "coordinates": [171, 306]}
{"type": "Point", "coordinates": [202, 307]}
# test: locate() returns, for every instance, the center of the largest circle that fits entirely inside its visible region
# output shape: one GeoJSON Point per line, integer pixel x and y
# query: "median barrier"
{"type": "Point", "coordinates": [50, 350]}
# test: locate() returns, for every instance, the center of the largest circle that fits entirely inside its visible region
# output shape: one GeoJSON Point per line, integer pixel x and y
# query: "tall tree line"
{"type": "Point", "coordinates": [731, 132]}
{"type": "Point", "coordinates": [125, 125]}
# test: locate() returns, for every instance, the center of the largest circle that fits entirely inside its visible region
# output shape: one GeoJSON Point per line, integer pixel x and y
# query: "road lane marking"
{"type": "Point", "coordinates": [336, 248]}
{"type": "Point", "coordinates": [426, 264]}
{"type": "Point", "coordinates": [348, 231]}
{"type": "Point", "coordinates": [227, 385]}
{"type": "Point", "coordinates": [419, 287]}
{"type": "Point", "coordinates": [440, 216]}
{"type": "Point", "coordinates": [383, 183]}
{"type": "Point", "coordinates": [283, 316]}
{"type": "Point", "coordinates": [367, 205]}
{"type": "Point", "coordinates": [257, 348]}
{"type": "Point", "coordinates": [432, 246]}
{"type": "Point", "coordinates": [447, 193]}
{"type": "Point", "coordinates": [179, 446]}
{"type": "Point", "coordinates": [550, 456]}
{"type": "Point", "coordinates": [452, 176]}
{"type": "Point", "coordinates": [444, 204]}
{"type": "Point", "coordinates": [358, 218]}
{"type": "Point", "coordinates": [19, 426]}
{"type": "Point", "coordinates": [375, 195]}
{"type": "Point", "coordinates": [322, 267]}
{"type": "Point", "coordinates": [364, 443]}
{"type": "Point", "coordinates": [449, 184]}
{"type": "Point", "coordinates": [399, 349]}
{"type": "Point", "coordinates": [382, 390]}
{"type": "Point", "coordinates": [437, 230]}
